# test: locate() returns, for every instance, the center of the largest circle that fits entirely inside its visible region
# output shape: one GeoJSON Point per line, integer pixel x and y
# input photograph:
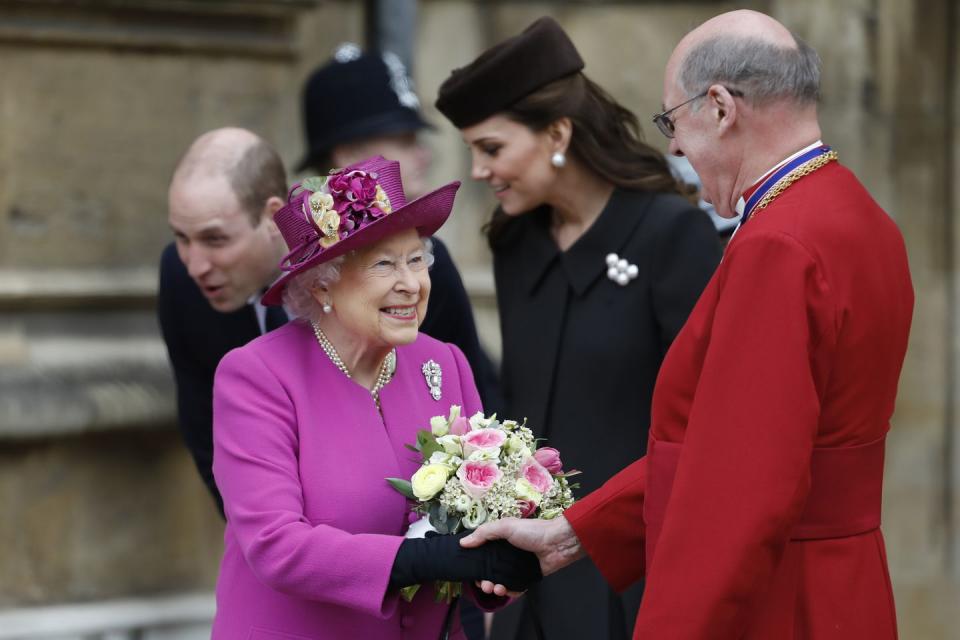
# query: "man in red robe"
{"type": "Point", "coordinates": [756, 511]}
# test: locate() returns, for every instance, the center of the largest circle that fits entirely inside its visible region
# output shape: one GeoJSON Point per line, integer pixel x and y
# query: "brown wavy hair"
{"type": "Point", "coordinates": [606, 139]}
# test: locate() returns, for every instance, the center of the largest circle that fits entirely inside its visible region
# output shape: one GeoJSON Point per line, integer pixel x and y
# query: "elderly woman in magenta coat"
{"type": "Point", "coordinates": [311, 418]}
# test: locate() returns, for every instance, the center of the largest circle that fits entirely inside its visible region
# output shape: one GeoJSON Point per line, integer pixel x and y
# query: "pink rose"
{"type": "Point", "coordinates": [536, 475]}
{"type": "Point", "coordinates": [478, 476]}
{"type": "Point", "coordinates": [527, 507]}
{"type": "Point", "coordinates": [460, 426]}
{"type": "Point", "coordinates": [549, 458]}
{"type": "Point", "coordinates": [483, 440]}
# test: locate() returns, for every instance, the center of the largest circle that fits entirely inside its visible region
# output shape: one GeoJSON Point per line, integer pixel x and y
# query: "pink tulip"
{"type": "Point", "coordinates": [460, 426]}
{"type": "Point", "coordinates": [550, 459]}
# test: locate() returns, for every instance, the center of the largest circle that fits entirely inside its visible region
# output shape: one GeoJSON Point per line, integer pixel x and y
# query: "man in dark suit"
{"type": "Point", "coordinates": [222, 199]}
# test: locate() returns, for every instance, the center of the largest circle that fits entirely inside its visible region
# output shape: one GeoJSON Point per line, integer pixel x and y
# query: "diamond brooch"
{"type": "Point", "coordinates": [433, 377]}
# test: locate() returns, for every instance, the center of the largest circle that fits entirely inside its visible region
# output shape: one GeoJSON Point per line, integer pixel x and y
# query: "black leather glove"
{"type": "Point", "coordinates": [438, 557]}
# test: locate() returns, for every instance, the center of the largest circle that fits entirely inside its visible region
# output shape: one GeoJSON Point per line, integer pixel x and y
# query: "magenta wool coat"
{"type": "Point", "coordinates": [300, 457]}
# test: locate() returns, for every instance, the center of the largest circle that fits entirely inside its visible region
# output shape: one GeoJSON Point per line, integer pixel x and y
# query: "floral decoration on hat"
{"type": "Point", "coordinates": [343, 202]}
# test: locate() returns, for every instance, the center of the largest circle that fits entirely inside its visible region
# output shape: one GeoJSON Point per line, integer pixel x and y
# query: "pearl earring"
{"type": "Point", "coordinates": [326, 307]}
{"type": "Point", "coordinates": [558, 159]}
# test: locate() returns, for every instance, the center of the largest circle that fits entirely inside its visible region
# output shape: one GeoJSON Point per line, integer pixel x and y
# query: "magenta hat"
{"type": "Point", "coordinates": [353, 207]}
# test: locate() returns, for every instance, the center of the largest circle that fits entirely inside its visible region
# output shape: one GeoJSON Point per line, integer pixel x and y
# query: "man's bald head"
{"type": "Point", "coordinates": [251, 167]}
{"type": "Point", "coordinates": [751, 52]}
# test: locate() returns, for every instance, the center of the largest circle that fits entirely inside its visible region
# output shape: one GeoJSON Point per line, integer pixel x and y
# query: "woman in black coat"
{"type": "Point", "coordinates": [598, 260]}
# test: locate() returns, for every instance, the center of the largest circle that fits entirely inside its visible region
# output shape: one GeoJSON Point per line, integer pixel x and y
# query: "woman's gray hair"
{"type": "Point", "coordinates": [763, 71]}
{"type": "Point", "coordinates": [298, 297]}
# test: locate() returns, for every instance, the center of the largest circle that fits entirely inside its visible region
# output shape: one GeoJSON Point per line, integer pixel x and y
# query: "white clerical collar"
{"type": "Point", "coordinates": [741, 203]}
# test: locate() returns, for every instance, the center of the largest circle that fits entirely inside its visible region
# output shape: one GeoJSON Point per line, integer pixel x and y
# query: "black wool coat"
{"type": "Point", "coordinates": [197, 337]}
{"type": "Point", "coordinates": [580, 357]}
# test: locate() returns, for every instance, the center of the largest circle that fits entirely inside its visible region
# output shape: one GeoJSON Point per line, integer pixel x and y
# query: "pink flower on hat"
{"type": "Point", "coordinates": [344, 202]}
{"type": "Point", "coordinates": [355, 191]}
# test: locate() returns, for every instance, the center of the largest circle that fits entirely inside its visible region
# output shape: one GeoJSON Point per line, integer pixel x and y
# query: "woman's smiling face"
{"type": "Point", "coordinates": [514, 160]}
{"type": "Point", "coordinates": [381, 296]}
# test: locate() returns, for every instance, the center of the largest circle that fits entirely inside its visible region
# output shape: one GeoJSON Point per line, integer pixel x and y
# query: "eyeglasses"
{"type": "Point", "coordinates": [665, 123]}
{"type": "Point", "coordinates": [392, 266]}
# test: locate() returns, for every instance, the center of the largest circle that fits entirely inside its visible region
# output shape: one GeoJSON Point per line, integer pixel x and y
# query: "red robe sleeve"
{"type": "Point", "coordinates": [609, 525]}
{"type": "Point", "coordinates": [744, 471]}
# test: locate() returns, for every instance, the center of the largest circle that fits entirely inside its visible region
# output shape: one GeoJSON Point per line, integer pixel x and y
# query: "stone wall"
{"type": "Point", "coordinates": [99, 97]}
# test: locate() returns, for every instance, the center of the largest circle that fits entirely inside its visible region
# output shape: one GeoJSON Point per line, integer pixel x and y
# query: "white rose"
{"type": "Point", "coordinates": [439, 426]}
{"type": "Point", "coordinates": [442, 457]}
{"type": "Point", "coordinates": [477, 421]}
{"type": "Point", "coordinates": [485, 454]}
{"type": "Point", "coordinates": [474, 516]}
{"type": "Point", "coordinates": [451, 444]}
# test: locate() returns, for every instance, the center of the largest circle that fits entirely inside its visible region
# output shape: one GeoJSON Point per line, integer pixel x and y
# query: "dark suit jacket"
{"type": "Point", "coordinates": [580, 357]}
{"type": "Point", "coordinates": [197, 337]}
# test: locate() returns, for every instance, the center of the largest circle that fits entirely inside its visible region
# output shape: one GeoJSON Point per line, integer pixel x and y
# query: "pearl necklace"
{"type": "Point", "coordinates": [387, 369]}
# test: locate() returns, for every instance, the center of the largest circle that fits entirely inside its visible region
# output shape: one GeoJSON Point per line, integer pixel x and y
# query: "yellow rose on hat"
{"type": "Point", "coordinates": [319, 204]}
{"type": "Point", "coordinates": [329, 228]}
{"type": "Point", "coordinates": [381, 200]}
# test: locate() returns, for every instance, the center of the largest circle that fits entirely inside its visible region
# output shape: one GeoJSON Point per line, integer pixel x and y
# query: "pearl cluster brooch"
{"type": "Point", "coordinates": [620, 271]}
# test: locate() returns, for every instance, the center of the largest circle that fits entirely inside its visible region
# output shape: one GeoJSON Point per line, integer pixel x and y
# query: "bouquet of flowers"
{"type": "Point", "coordinates": [478, 470]}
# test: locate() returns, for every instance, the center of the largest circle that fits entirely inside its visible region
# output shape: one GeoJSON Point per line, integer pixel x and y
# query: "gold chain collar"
{"type": "Point", "coordinates": [783, 183]}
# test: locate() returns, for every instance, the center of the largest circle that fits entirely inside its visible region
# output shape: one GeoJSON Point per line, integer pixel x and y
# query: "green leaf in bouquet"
{"type": "Point", "coordinates": [454, 524]}
{"type": "Point", "coordinates": [429, 449]}
{"type": "Point", "coordinates": [314, 183]}
{"type": "Point", "coordinates": [412, 447]}
{"type": "Point", "coordinates": [569, 474]}
{"type": "Point", "coordinates": [440, 519]}
{"type": "Point", "coordinates": [403, 486]}
{"type": "Point", "coordinates": [408, 592]}
{"type": "Point", "coordinates": [423, 437]}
